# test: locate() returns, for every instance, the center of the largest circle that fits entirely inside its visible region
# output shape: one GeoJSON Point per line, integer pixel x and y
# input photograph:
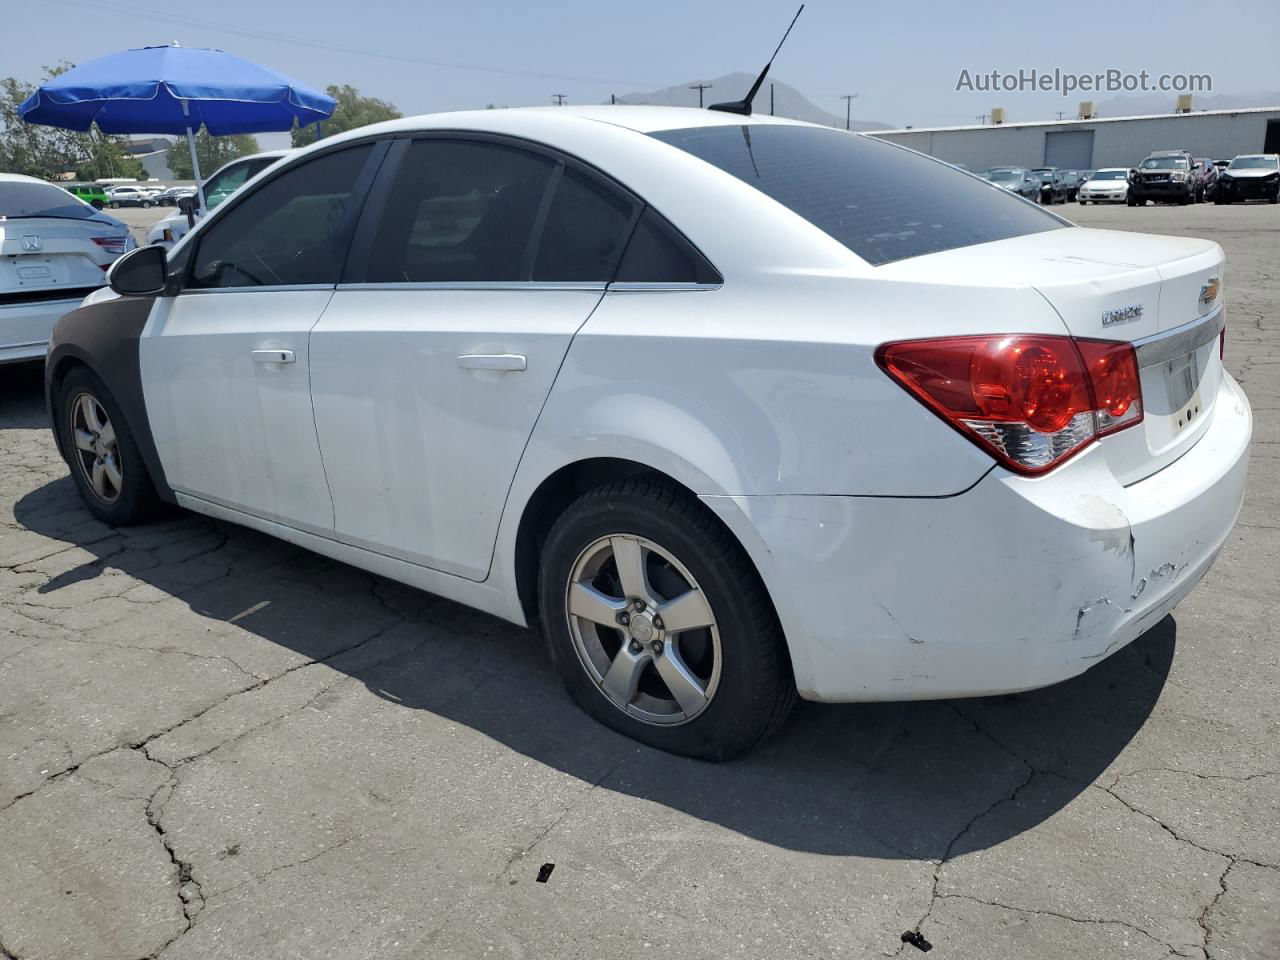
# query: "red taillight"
{"type": "Point", "coordinates": [111, 244]}
{"type": "Point", "coordinates": [1032, 401]}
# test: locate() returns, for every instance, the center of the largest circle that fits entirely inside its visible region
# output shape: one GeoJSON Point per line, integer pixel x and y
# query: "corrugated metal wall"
{"type": "Point", "coordinates": [1122, 143]}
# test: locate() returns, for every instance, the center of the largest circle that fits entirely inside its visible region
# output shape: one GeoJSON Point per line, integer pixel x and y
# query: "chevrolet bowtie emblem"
{"type": "Point", "coordinates": [1209, 292]}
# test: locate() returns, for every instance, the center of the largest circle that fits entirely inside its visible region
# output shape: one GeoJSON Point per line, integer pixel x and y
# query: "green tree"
{"type": "Point", "coordinates": [51, 153]}
{"type": "Point", "coordinates": [212, 151]}
{"type": "Point", "coordinates": [353, 110]}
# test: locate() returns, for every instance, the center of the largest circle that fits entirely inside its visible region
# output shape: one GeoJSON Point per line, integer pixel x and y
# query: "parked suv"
{"type": "Point", "coordinates": [1166, 176]}
{"type": "Point", "coordinates": [94, 194]}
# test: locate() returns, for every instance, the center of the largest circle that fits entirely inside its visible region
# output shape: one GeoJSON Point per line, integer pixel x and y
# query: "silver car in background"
{"type": "Point", "coordinates": [54, 249]}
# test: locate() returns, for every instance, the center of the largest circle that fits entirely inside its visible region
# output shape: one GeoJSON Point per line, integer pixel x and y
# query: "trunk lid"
{"type": "Point", "coordinates": [1151, 291]}
{"type": "Point", "coordinates": [39, 254]}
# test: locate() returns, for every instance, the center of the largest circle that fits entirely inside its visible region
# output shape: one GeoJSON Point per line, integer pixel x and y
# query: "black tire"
{"type": "Point", "coordinates": [1275, 197]}
{"type": "Point", "coordinates": [135, 500]}
{"type": "Point", "coordinates": [146, 204]}
{"type": "Point", "coordinates": [1084, 202]}
{"type": "Point", "coordinates": [755, 689]}
{"type": "Point", "coordinates": [1220, 200]}
{"type": "Point", "coordinates": [1131, 202]}
{"type": "Point", "coordinates": [115, 204]}
{"type": "Point", "coordinates": [96, 204]}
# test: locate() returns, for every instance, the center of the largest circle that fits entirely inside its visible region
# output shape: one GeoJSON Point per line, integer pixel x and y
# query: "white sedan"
{"type": "Point", "coordinates": [54, 249]}
{"type": "Point", "coordinates": [1109, 185]}
{"type": "Point", "coordinates": [732, 407]}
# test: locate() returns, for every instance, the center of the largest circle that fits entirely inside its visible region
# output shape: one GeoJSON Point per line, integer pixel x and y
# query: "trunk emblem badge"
{"type": "Point", "coordinates": [1209, 292]}
{"type": "Point", "coordinates": [1121, 315]}
{"type": "Point", "coordinates": [30, 242]}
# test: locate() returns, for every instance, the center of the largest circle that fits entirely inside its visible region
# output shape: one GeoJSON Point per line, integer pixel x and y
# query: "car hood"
{"type": "Point", "coordinates": [1250, 174]}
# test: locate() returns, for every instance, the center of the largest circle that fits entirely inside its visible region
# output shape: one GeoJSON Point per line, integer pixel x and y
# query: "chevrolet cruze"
{"type": "Point", "coordinates": [733, 408]}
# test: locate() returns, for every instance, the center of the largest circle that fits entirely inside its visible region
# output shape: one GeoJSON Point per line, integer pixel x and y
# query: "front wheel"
{"type": "Point", "coordinates": [106, 464]}
{"type": "Point", "coordinates": [659, 625]}
{"type": "Point", "coordinates": [146, 204]}
{"type": "Point", "coordinates": [115, 204]}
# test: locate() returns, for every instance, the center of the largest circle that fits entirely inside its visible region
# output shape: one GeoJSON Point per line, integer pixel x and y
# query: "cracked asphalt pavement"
{"type": "Point", "coordinates": [216, 745]}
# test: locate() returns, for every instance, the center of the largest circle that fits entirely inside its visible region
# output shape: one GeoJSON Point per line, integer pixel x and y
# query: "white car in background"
{"type": "Point", "coordinates": [1108, 185]}
{"type": "Point", "coordinates": [54, 250]}
{"type": "Point", "coordinates": [226, 181]}
{"type": "Point", "coordinates": [733, 407]}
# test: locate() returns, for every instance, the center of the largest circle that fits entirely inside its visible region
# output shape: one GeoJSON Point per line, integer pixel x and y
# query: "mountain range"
{"type": "Point", "coordinates": [787, 100]}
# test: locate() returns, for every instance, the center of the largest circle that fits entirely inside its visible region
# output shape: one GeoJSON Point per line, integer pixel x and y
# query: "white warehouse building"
{"type": "Point", "coordinates": [1100, 142]}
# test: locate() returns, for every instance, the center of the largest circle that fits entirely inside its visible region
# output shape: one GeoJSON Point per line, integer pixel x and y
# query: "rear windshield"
{"type": "Point", "coordinates": [882, 202]}
{"type": "Point", "coordinates": [20, 200]}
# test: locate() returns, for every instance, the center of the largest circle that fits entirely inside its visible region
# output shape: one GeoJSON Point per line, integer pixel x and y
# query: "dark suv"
{"type": "Point", "coordinates": [1166, 176]}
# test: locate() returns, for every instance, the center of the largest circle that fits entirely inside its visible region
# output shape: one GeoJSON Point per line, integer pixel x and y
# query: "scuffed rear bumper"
{"type": "Point", "coordinates": [1014, 584]}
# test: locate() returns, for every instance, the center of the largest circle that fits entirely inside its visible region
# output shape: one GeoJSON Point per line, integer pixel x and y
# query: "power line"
{"type": "Point", "coordinates": [215, 26]}
{"type": "Point", "coordinates": [699, 87]}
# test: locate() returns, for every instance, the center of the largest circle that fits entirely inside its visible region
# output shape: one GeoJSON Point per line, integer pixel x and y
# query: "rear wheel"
{"type": "Point", "coordinates": [96, 204]}
{"type": "Point", "coordinates": [115, 204]}
{"type": "Point", "coordinates": [106, 464]}
{"type": "Point", "coordinates": [659, 625]}
{"type": "Point", "coordinates": [146, 204]}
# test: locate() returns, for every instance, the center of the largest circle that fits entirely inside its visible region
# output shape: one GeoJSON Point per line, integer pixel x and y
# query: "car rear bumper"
{"type": "Point", "coordinates": [1014, 584]}
{"type": "Point", "coordinates": [25, 328]}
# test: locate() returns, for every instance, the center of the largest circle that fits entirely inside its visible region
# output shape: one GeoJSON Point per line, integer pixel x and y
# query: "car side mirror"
{"type": "Point", "coordinates": [140, 273]}
{"type": "Point", "coordinates": [187, 206]}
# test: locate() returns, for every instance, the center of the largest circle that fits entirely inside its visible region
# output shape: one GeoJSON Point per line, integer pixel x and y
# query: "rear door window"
{"type": "Point", "coordinates": [882, 202]}
{"type": "Point", "coordinates": [586, 229]}
{"type": "Point", "coordinates": [460, 212]}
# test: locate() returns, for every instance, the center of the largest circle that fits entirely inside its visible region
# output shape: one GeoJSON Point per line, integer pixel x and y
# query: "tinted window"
{"type": "Point", "coordinates": [882, 202]}
{"type": "Point", "coordinates": [657, 254]}
{"type": "Point", "coordinates": [19, 199]}
{"type": "Point", "coordinates": [586, 229]}
{"type": "Point", "coordinates": [460, 212]}
{"type": "Point", "coordinates": [292, 230]}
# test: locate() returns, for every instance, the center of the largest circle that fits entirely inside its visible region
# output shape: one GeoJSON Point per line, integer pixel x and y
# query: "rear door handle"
{"type": "Point", "coordinates": [272, 356]}
{"type": "Point", "coordinates": [511, 362]}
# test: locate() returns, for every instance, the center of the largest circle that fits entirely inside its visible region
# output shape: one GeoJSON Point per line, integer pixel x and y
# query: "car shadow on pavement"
{"type": "Point", "coordinates": [900, 780]}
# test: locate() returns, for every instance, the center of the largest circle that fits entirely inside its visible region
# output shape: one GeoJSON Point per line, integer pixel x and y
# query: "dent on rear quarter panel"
{"type": "Point", "coordinates": [105, 337]}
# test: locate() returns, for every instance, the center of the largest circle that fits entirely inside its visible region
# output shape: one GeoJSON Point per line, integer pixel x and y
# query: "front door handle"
{"type": "Point", "coordinates": [272, 356]}
{"type": "Point", "coordinates": [510, 362]}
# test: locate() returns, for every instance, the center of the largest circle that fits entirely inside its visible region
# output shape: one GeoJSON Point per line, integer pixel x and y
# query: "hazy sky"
{"type": "Point", "coordinates": [902, 58]}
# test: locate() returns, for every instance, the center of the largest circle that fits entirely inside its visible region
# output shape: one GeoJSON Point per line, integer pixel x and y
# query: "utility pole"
{"type": "Point", "coordinates": [699, 87]}
{"type": "Point", "coordinates": [1061, 114]}
{"type": "Point", "coordinates": [982, 118]}
{"type": "Point", "coordinates": [848, 99]}
{"type": "Point", "coordinates": [771, 99]}
{"type": "Point", "coordinates": [612, 100]}
{"type": "Point", "coordinates": [559, 99]}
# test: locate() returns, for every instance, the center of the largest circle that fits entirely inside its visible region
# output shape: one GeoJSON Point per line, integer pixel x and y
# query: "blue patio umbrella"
{"type": "Point", "coordinates": [175, 89]}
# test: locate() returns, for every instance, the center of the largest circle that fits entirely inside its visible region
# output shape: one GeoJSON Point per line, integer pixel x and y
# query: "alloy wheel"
{"type": "Point", "coordinates": [643, 629]}
{"type": "Point", "coordinates": [97, 453]}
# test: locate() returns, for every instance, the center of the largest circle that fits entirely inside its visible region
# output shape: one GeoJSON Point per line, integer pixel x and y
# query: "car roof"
{"type": "Point", "coordinates": [23, 178]}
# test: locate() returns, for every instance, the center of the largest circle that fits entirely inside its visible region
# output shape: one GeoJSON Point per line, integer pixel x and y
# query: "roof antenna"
{"type": "Point", "coordinates": [743, 106]}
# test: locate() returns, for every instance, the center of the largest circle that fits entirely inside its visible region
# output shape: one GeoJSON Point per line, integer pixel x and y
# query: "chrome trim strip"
{"type": "Point", "coordinates": [266, 288]}
{"type": "Point", "coordinates": [516, 285]}
{"type": "Point", "coordinates": [658, 287]}
{"type": "Point", "coordinates": [1180, 340]}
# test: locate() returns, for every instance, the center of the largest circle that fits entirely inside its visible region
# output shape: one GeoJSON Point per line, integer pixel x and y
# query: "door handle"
{"type": "Point", "coordinates": [510, 362]}
{"type": "Point", "coordinates": [272, 356]}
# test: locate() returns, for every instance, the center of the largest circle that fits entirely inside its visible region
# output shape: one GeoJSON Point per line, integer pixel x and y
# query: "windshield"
{"type": "Point", "coordinates": [20, 200]}
{"type": "Point", "coordinates": [1111, 175]}
{"type": "Point", "coordinates": [1254, 163]}
{"type": "Point", "coordinates": [883, 202]}
{"type": "Point", "coordinates": [1003, 176]}
{"type": "Point", "coordinates": [1164, 163]}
